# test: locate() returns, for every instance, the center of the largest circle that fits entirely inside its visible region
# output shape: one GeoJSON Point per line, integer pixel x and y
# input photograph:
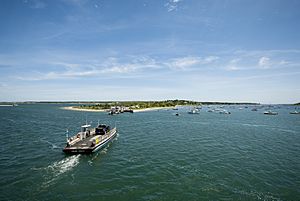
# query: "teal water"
{"type": "Point", "coordinates": [156, 156]}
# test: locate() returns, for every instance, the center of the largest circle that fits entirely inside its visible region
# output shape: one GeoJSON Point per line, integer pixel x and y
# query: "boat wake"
{"type": "Point", "coordinates": [285, 130]}
{"type": "Point", "coordinates": [55, 170]}
{"type": "Point", "coordinates": [52, 145]}
{"type": "Point", "coordinates": [270, 127]}
{"type": "Point", "coordinates": [64, 165]}
{"type": "Point", "coordinates": [256, 195]}
{"type": "Point", "coordinates": [255, 125]}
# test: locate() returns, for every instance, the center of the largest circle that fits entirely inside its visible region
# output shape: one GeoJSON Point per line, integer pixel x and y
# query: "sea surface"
{"type": "Point", "coordinates": [156, 156]}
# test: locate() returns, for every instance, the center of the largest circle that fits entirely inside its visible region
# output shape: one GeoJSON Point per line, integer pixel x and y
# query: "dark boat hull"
{"type": "Point", "coordinates": [89, 150]}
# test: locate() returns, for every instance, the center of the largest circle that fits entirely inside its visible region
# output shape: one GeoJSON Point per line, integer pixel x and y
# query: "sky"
{"type": "Point", "coordinates": [212, 50]}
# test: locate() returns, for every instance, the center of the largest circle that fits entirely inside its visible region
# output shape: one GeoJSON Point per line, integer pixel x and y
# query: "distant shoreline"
{"type": "Point", "coordinates": [151, 109]}
{"type": "Point", "coordinates": [106, 110]}
{"type": "Point", "coordinates": [82, 109]}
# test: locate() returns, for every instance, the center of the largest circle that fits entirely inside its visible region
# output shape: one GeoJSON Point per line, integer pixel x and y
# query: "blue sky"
{"type": "Point", "coordinates": [213, 50]}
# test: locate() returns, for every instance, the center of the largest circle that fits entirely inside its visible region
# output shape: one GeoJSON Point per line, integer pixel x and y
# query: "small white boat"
{"type": "Point", "coordinates": [194, 111]}
{"type": "Point", "coordinates": [270, 113]}
{"type": "Point", "coordinates": [224, 112]}
{"type": "Point", "coordinates": [295, 112]}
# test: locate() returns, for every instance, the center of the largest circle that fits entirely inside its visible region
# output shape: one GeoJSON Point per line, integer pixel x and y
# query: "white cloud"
{"type": "Point", "coordinates": [182, 63]}
{"type": "Point", "coordinates": [283, 62]}
{"type": "Point", "coordinates": [140, 65]}
{"type": "Point", "coordinates": [127, 68]}
{"type": "Point", "coordinates": [133, 65]}
{"type": "Point", "coordinates": [111, 66]}
{"type": "Point", "coordinates": [67, 65]}
{"type": "Point", "coordinates": [210, 59]}
{"type": "Point", "coordinates": [233, 65]}
{"type": "Point", "coordinates": [172, 5]}
{"type": "Point", "coordinates": [266, 59]}
{"type": "Point", "coordinates": [264, 62]}
{"type": "Point", "coordinates": [189, 61]}
{"type": "Point", "coordinates": [59, 75]}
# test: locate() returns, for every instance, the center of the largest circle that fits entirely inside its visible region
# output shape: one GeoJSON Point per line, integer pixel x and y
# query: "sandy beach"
{"type": "Point", "coordinates": [151, 109]}
{"type": "Point", "coordinates": [82, 110]}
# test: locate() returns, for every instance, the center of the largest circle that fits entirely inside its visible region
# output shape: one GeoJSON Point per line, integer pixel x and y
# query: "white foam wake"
{"type": "Point", "coordinates": [64, 165]}
{"type": "Point", "coordinates": [55, 170]}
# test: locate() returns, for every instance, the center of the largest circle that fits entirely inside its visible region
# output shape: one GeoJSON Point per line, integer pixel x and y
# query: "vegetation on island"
{"type": "Point", "coordinates": [138, 104]}
{"type": "Point", "coordinates": [105, 105]}
{"type": "Point", "coordinates": [151, 104]}
{"type": "Point", "coordinates": [297, 104]}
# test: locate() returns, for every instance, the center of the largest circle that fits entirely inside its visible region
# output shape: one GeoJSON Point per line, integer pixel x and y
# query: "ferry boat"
{"type": "Point", "coordinates": [90, 139]}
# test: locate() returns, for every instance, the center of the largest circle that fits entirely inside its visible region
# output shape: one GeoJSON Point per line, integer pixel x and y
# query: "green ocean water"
{"type": "Point", "coordinates": [156, 156]}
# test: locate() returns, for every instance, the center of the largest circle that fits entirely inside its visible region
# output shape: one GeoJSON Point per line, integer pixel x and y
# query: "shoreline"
{"type": "Point", "coordinates": [81, 110]}
{"type": "Point", "coordinates": [106, 110]}
{"type": "Point", "coordinates": [151, 109]}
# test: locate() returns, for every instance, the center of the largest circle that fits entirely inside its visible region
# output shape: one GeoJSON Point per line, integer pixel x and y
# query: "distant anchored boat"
{"type": "Point", "coordinates": [224, 112]}
{"type": "Point", "coordinates": [194, 111]}
{"type": "Point", "coordinates": [90, 139]}
{"type": "Point", "coordinates": [295, 112]}
{"type": "Point", "coordinates": [270, 113]}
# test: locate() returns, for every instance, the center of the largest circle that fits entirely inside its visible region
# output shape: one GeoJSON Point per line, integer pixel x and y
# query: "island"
{"type": "Point", "coordinates": [141, 106]}
{"type": "Point", "coordinates": [131, 106]}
